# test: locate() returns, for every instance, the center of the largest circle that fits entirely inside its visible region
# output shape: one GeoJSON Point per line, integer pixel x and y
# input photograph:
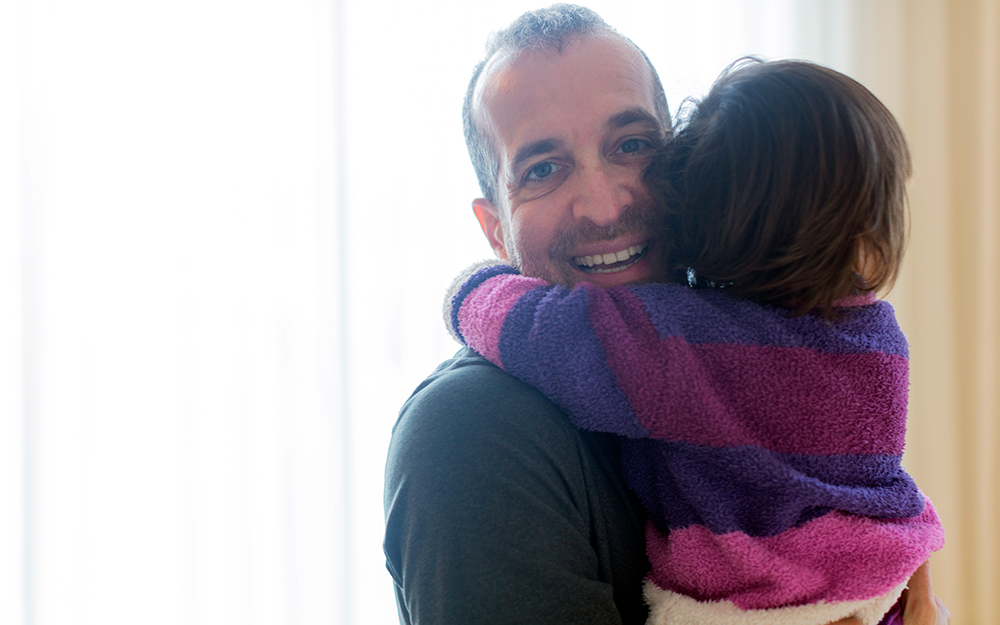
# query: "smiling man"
{"type": "Point", "coordinates": [571, 129]}
{"type": "Point", "coordinates": [497, 509]}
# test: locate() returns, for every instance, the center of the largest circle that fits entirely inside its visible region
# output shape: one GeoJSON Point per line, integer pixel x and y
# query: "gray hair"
{"type": "Point", "coordinates": [548, 28]}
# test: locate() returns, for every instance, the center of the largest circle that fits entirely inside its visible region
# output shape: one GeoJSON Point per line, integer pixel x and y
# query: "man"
{"type": "Point", "coordinates": [497, 510]}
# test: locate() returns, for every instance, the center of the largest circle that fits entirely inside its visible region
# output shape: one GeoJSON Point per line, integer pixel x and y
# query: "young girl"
{"type": "Point", "coordinates": [764, 410]}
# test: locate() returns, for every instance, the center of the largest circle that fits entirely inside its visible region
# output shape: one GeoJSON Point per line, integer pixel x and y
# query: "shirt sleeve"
{"type": "Point", "coordinates": [499, 511]}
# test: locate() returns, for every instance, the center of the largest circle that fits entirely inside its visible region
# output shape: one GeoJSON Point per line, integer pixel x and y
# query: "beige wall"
{"type": "Point", "coordinates": [936, 63]}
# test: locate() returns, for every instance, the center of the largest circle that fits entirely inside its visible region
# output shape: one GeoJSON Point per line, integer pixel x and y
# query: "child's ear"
{"type": "Point", "coordinates": [866, 260]}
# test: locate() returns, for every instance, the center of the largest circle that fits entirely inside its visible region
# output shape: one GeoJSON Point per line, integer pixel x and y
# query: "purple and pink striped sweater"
{"type": "Point", "coordinates": [765, 448]}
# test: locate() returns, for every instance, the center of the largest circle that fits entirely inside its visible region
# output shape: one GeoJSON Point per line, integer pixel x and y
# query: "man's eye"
{"type": "Point", "coordinates": [542, 170]}
{"type": "Point", "coordinates": [633, 145]}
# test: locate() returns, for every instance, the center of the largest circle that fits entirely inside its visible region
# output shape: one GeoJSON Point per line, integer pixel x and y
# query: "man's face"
{"type": "Point", "coordinates": [574, 131]}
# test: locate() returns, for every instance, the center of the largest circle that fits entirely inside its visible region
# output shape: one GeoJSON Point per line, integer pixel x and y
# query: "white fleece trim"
{"type": "Point", "coordinates": [670, 608]}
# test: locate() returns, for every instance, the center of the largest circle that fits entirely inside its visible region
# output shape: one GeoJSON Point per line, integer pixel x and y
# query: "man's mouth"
{"type": "Point", "coordinates": [611, 262]}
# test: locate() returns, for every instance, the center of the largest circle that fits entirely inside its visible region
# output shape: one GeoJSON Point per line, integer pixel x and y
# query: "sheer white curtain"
{"type": "Point", "coordinates": [225, 229]}
{"type": "Point", "coordinates": [177, 394]}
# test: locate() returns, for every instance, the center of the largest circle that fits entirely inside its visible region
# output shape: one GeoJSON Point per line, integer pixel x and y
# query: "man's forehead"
{"type": "Point", "coordinates": [537, 86]}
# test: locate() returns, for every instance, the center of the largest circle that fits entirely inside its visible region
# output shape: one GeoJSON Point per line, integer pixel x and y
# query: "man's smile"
{"type": "Point", "coordinates": [611, 262]}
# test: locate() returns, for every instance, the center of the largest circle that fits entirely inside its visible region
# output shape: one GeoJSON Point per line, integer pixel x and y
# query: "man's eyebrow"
{"type": "Point", "coordinates": [633, 116]}
{"type": "Point", "coordinates": [532, 150]}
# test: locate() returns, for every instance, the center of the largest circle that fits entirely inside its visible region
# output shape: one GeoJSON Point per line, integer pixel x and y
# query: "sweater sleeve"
{"type": "Point", "coordinates": [542, 334]}
{"type": "Point", "coordinates": [669, 362]}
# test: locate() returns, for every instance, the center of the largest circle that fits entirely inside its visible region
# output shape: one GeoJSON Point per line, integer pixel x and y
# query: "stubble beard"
{"type": "Point", "coordinates": [644, 219]}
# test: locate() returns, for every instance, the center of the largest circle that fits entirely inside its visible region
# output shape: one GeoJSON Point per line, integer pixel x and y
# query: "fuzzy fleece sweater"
{"type": "Point", "coordinates": [765, 448]}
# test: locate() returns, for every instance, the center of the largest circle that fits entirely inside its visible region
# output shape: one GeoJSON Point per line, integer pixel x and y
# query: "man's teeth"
{"type": "Point", "coordinates": [609, 259]}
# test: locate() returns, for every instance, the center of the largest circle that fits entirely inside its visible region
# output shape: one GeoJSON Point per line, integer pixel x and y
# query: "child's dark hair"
{"type": "Point", "coordinates": [779, 179]}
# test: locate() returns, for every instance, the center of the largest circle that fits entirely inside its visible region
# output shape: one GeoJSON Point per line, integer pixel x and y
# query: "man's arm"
{"type": "Point", "coordinates": [920, 605]}
{"type": "Point", "coordinates": [499, 511]}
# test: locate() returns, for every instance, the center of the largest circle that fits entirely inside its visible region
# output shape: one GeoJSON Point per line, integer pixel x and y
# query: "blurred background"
{"type": "Point", "coordinates": [225, 231]}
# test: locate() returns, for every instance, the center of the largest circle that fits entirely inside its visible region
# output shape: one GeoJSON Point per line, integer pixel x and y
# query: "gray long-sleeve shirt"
{"type": "Point", "coordinates": [499, 511]}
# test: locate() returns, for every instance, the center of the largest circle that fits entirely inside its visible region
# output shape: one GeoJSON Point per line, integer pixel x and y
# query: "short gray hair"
{"type": "Point", "coordinates": [548, 28]}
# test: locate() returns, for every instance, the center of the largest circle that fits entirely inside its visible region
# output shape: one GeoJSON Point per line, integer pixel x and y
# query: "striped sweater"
{"type": "Point", "coordinates": [765, 448]}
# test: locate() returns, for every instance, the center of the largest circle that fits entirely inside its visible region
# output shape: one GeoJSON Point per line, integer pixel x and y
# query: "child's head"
{"type": "Point", "coordinates": [787, 184]}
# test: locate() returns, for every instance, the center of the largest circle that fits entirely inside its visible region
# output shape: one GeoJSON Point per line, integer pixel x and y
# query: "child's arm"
{"type": "Point", "coordinates": [555, 350]}
{"type": "Point", "coordinates": [669, 362]}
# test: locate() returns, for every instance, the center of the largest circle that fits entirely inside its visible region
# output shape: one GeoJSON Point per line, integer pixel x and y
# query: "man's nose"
{"type": "Point", "coordinates": [601, 195]}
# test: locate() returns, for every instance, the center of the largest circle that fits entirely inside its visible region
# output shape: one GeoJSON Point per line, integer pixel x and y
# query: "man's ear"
{"type": "Point", "coordinates": [489, 221]}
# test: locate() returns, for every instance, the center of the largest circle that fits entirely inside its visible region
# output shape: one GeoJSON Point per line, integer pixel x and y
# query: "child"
{"type": "Point", "coordinates": [764, 413]}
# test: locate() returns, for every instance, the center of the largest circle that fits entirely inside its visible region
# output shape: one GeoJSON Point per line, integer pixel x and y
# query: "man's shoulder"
{"type": "Point", "coordinates": [469, 374]}
{"type": "Point", "coordinates": [468, 406]}
{"type": "Point", "coordinates": [498, 510]}
{"type": "Point", "coordinates": [468, 391]}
